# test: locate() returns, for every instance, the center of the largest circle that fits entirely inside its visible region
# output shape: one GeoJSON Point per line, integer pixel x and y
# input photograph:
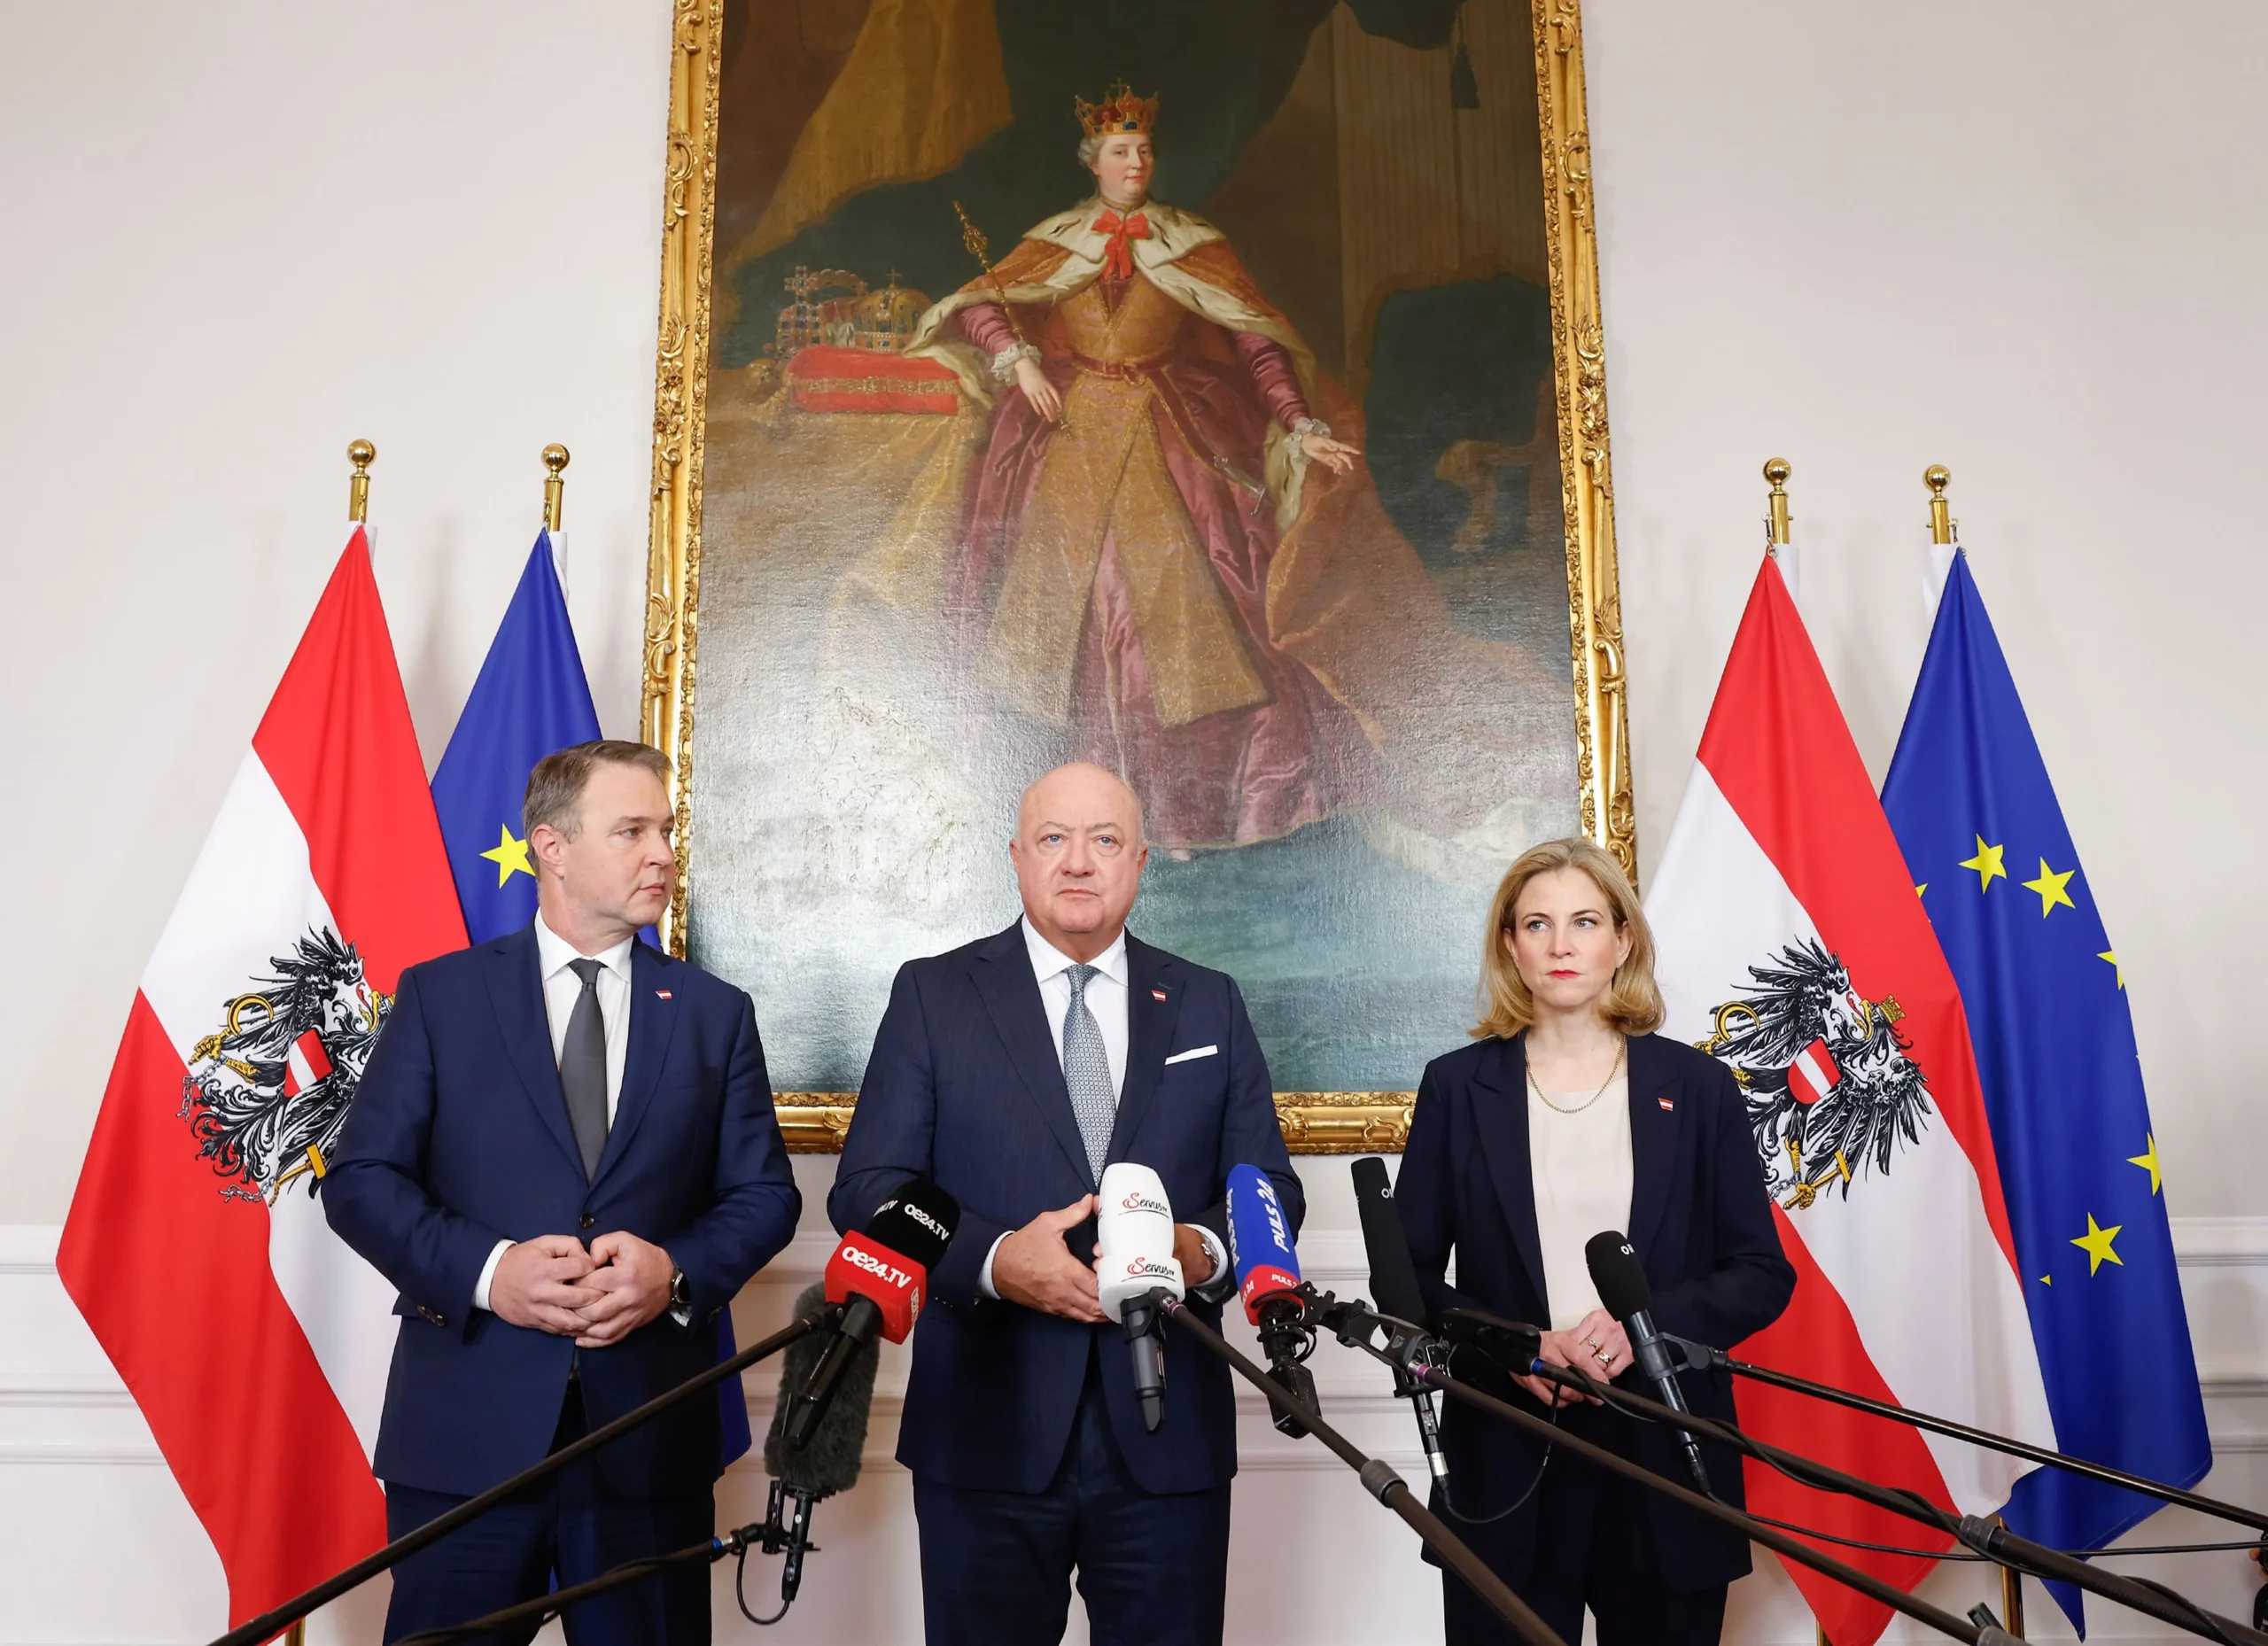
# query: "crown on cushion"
{"type": "Point", "coordinates": [1120, 111]}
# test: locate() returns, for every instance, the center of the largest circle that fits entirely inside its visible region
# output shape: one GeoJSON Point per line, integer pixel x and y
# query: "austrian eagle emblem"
{"type": "Point", "coordinates": [1831, 1093]}
{"type": "Point", "coordinates": [268, 1094]}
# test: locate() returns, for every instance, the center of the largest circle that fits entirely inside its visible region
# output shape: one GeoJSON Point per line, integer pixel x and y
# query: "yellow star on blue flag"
{"type": "Point", "coordinates": [2050, 887]}
{"type": "Point", "coordinates": [510, 856]}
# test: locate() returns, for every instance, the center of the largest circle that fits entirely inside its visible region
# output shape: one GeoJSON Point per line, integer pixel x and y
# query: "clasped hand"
{"type": "Point", "coordinates": [1035, 1268]}
{"type": "Point", "coordinates": [596, 1297]}
{"type": "Point", "coordinates": [1596, 1346]}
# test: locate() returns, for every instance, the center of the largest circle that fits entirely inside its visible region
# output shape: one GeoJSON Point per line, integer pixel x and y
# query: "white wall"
{"type": "Point", "coordinates": [2022, 240]}
{"type": "Point", "coordinates": [236, 237]}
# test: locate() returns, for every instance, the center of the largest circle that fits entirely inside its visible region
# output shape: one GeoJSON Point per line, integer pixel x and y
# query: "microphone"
{"type": "Point", "coordinates": [1135, 1272]}
{"type": "Point", "coordinates": [880, 1276]}
{"type": "Point", "coordinates": [824, 1463]}
{"type": "Point", "coordinates": [1394, 1286]}
{"type": "Point", "coordinates": [1510, 1344]}
{"type": "Point", "coordinates": [1268, 1278]}
{"type": "Point", "coordinates": [1628, 1296]}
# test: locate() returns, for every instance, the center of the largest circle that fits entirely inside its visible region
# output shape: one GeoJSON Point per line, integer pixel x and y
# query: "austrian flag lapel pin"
{"type": "Point", "coordinates": [661, 994]}
{"type": "Point", "coordinates": [1668, 1107]}
{"type": "Point", "coordinates": [1159, 995]}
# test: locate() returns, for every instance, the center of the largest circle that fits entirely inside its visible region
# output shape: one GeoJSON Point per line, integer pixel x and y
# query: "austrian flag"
{"type": "Point", "coordinates": [1794, 950]}
{"type": "Point", "coordinates": [255, 1342]}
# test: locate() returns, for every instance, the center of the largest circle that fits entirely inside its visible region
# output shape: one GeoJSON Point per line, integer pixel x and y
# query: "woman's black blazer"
{"type": "Point", "coordinates": [1701, 1221]}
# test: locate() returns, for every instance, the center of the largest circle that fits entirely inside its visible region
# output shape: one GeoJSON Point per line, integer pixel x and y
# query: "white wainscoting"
{"type": "Point", "coordinates": [101, 1549]}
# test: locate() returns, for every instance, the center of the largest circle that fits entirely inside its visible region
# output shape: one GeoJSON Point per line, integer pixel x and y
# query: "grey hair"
{"type": "Point", "coordinates": [555, 791]}
{"type": "Point", "coordinates": [1088, 147]}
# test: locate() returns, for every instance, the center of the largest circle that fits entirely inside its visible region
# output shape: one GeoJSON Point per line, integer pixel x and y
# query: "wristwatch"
{"type": "Point", "coordinates": [680, 1291]}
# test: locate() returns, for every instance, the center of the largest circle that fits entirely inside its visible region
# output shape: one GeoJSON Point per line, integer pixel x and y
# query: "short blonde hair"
{"type": "Point", "coordinates": [1633, 1000]}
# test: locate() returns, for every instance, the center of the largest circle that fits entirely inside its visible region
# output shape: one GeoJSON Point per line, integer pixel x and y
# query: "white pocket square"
{"type": "Point", "coordinates": [1192, 1053]}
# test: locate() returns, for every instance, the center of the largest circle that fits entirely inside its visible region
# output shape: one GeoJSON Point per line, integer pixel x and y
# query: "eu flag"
{"type": "Point", "coordinates": [531, 699]}
{"type": "Point", "coordinates": [1968, 797]}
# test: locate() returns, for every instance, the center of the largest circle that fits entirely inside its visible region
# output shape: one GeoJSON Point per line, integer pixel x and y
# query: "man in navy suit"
{"type": "Point", "coordinates": [1012, 1071]}
{"type": "Point", "coordinates": [564, 1154]}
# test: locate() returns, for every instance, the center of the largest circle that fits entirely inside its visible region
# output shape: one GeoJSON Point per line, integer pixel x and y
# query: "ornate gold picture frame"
{"type": "Point", "coordinates": [1314, 1122]}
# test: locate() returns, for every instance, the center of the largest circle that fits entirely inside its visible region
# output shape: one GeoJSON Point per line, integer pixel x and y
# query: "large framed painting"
{"type": "Point", "coordinates": [1214, 392]}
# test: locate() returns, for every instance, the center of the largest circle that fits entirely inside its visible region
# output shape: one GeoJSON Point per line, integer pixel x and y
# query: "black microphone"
{"type": "Point", "coordinates": [827, 1461]}
{"type": "Point", "coordinates": [882, 1277]}
{"type": "Point", "coordinates": [1510, 1344]}
{"type": "Point", "coordinates": [1393, 1287]}
{"type": "Point", "coordinates": [1628, 1296]}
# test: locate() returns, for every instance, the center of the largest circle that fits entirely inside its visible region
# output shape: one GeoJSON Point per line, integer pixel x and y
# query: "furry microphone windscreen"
{"type": "Point", "coordinates": [829, 1463]}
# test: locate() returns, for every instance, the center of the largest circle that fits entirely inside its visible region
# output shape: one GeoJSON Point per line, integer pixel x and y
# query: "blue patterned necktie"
{"type": "Point", "coordinates": [1086, 1071]}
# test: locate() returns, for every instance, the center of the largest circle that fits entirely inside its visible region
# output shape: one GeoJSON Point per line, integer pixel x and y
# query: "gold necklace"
{"type": "Point", "coordinates": [1586, 1102]}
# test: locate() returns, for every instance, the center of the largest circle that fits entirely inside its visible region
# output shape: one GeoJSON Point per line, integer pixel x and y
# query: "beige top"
{"type": "Point", "coordinates": [1580, 1165]}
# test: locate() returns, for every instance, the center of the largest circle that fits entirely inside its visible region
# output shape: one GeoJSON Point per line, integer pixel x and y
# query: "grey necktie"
{"type": "Point", "coordinates": [1086, 1071]}
{"type": "Point", "coordinates": [582, 1068]}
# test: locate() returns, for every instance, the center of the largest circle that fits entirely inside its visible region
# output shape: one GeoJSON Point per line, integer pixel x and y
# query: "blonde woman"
{"type": "Point", "coordinates": [1567, 1117]}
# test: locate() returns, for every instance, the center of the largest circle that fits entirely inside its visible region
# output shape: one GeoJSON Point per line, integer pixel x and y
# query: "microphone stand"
{"type": "Point", "coordinates": [1974, 1532]}
{"type": "Point", "coordinates": [1351, 1321]}
{"type": "Point", "coordinates": [1383, 1483]}
{"type": "Point", "coordinates": [1701, 1357]}
{"type": "Point", "coordinates": [277, 1620]}
{"type": "Point", "coordinates": [630, 1572]}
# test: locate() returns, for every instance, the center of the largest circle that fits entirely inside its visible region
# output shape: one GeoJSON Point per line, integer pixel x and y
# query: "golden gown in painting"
{"type": "Point", "coordinates": [1162, 579]}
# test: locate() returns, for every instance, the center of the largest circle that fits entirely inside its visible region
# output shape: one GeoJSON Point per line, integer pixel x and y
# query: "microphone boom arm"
{"type": "Point", "coordinates": [1353, 1313]}
{"type": "Point", "coordinates": [1995, 1543]}
{"type": "Point", "coordinates": [1383, 1483]}
{"type": "Point", "coordinates": [273, 1622]}
{"type": "Point", "coordinates": [1701, 1357]}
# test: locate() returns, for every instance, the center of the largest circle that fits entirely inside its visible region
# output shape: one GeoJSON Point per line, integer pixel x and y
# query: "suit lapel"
{"type": "Point", "coordinates": [1150, 1023]}
{"type": "Point", "coordinates": [654, 1014]}
{"type": "Point", "coordinates": [1657, 1124]}
{"type": "Point", "coordinates": [1500, 1105]}
{"type": "Point", "coordinates": [516, 990]}
{"type": "Point", "coordinates": [1003, 975]}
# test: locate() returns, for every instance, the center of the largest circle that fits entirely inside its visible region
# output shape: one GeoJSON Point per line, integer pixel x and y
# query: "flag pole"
{"type": "Point", "coordinates": [555, 485]}
{"type": "Point", "coordinates": [1776, 470]}
{"type": "Point", "coordinates": [1944, 535]}
{"type": "Point", "coordinates": [362, 454]}
{"type": "Point", "coordinates": [2011, 1579]}
{"type": "Point", "coordinates": [1936, 477]}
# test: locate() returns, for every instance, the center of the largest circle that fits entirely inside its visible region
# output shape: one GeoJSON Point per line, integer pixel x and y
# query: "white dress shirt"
{"type": "Point", "coordinates": [1579, 1166]}
{"type": "Point", "coordinates": [562, 988]}
{"type": "Point", "coordinates": [1106, 997]}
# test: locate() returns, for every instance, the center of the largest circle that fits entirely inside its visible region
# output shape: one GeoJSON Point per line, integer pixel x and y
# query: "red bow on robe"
{"type": "Point", "coordinates": [1117, 256]}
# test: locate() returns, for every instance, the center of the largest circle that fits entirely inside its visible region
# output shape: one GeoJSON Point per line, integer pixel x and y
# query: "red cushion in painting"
{"type": "Point", "coordinates": [829, 379]}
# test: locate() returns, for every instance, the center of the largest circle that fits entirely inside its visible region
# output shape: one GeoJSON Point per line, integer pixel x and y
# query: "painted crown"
{"type": "Point", "coordinates": [1120, 111]}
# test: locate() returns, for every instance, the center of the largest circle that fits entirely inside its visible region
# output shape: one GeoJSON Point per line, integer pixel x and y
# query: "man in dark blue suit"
{"type": "Point", "coordinates": [1012, 1072]}
{"type": "Point", "coordinates": [564, 1154]}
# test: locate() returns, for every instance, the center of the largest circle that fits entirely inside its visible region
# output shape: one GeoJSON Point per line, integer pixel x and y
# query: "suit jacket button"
{"type": "Point", "coordinates": [587, 1219]}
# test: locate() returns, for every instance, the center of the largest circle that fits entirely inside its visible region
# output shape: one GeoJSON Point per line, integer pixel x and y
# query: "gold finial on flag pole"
{"type": "Point", "coordinates": [362, 454]}
{"type": "Point", "coordinates": [555, 485]}
{"type": "Point", "coordinates": [1936, 477]}
{"type": "Point", "coordinates": [1776, 470]}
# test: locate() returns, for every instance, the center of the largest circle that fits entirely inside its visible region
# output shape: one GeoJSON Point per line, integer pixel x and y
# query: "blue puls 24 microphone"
{"type": "Point", "coordinates": [1268, 1278]}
